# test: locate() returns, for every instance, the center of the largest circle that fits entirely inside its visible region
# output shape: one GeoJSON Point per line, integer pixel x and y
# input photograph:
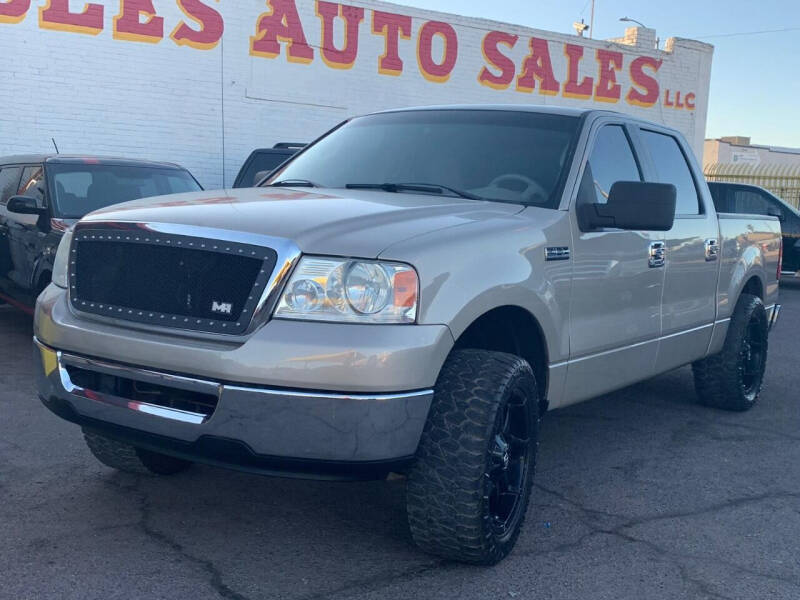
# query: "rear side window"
{"type": "Point", "coordinates": [748, 201]}
{"type": "Point", "coordinates": [262, 161]}
{"type": "Point", "coordinates": [671, 167]}
{"type": "Point", "coordinates": [719, 193]}
{"type": "Point", "coordinates": [612, 160]}
{"type": "Point", "coordinates": [9, 182]}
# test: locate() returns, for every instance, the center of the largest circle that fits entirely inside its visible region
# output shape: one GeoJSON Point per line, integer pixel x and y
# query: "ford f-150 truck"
{"type": "Point", "coordinates": [408, 294]}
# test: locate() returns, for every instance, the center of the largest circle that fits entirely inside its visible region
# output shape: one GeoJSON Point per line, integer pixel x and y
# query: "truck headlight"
{"type": "Point", "coordinates": [353, 291]}
{"type": "Point", "coordinates": [61, 261]}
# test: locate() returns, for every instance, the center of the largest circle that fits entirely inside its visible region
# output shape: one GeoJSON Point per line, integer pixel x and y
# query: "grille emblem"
{"type": "Point", "coordinates": [224, 308]}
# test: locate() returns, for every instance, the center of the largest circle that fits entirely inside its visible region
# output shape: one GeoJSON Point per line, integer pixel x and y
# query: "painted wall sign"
{"type": "Point", "coordinates": [280, 33]}
{"type": "Point", "coordinates": [204, 82]}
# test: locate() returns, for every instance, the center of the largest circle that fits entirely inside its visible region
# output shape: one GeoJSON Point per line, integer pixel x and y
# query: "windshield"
{"type": "Point", "coordinates": [78, 189]}
{"type": "Point", "coordinates": [508, 156]}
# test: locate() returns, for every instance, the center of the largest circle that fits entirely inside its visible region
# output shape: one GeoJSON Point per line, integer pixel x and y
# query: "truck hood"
{"type": "Point", "coordinates": [359, 223]}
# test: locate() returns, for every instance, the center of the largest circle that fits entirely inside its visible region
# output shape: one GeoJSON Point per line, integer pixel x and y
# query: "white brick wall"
{"type": "Point", "coordinates": [100, 95]}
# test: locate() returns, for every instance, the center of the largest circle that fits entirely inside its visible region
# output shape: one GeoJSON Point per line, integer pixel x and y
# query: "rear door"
{"type": "Point", "coordinates": [692, 251]}
{"type": "Point", "coordinates": [615, 312]}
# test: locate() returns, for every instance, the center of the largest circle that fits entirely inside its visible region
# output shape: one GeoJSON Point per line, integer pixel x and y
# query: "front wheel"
{"type": "Point", "coordinates": [732, 379]}
{"type": "Point", "coordinates": [469, 489]}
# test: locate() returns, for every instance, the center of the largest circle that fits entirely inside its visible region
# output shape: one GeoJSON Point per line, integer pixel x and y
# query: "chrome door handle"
{"type": "Point", "coordinates": [712, 249]}
{"type": "Point", "coordinates": [658, 255]}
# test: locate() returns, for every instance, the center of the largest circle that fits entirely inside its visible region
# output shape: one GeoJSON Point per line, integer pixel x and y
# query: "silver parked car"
{"type": "Point", "coordinates": [409, 293]}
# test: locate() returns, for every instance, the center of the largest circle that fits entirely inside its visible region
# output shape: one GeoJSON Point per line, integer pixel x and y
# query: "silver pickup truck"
{"type": "Point", "coordinates": [408, 294]}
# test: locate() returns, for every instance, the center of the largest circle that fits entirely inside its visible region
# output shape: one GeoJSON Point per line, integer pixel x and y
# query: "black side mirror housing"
{"type": "Point", "coordinates": [24, 205]}
{"type": "Point", "coordinates": [635, 205]}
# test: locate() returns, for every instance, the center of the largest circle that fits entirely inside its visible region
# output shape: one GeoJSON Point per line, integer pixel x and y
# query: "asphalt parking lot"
{"type": "Point", "coordinates": [640, 494]}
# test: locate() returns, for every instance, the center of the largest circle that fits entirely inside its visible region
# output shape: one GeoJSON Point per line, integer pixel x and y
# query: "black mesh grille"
{"type": "Point", "coordinates": [167, 280]}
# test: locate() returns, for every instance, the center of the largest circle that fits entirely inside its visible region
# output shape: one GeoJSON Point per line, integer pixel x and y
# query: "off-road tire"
{"type": "Point", "coordinates": [449, 484]}
{"type": "Point", "coordinates": [130, 459]}
{"type": "Point", "coordinates": [722, 380]}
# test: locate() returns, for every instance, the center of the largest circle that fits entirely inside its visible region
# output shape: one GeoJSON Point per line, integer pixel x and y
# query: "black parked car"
{"type": "Point", "coordinates": [43, 195]}
{"type": "Point", "coordinates": [742, 198]}
{"type": "Point", "coordinates": [263, 161]}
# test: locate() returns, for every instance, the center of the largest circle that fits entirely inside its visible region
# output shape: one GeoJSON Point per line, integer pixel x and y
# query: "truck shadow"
{"type": "Point", "coordinates": [623, 459]}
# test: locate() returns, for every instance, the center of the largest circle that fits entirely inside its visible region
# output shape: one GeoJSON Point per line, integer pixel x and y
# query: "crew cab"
{"type": "Point", "coordinates": [43, 195]}
{"type": "Point", "coordinates": [408, 294]}
{"type": "Point", "coordinates": [732, 197]}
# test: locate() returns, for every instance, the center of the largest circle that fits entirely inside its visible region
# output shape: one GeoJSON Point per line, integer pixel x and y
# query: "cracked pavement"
{"type": "Point", "coordinates": [640, 494]}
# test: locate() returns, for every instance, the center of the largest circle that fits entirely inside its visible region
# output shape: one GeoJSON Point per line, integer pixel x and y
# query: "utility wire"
{"type": "Point", "coordinates": [720, 35]}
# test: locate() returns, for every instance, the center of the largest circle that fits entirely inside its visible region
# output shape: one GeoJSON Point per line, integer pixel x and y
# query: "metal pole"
{"type": "Point", "coordinates": [591, 22]}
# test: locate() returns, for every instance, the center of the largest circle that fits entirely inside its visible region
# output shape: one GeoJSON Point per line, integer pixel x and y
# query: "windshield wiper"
{"type": "Point", "coordinates": [429, 188]}
{"type": "Point", "coordinates": [293, 183]}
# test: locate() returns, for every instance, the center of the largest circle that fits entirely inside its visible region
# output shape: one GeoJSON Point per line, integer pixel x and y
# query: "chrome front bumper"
{"type": "Point", "coordinates": [268, 423]}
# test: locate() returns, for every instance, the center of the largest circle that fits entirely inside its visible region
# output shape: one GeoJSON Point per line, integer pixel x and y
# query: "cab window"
{"type": "Point", "coordinates": [749, 202]}
{"type": "Point", "coordinates": [671, 167]}
{"type": "Point", "coordinates": [612, 160]}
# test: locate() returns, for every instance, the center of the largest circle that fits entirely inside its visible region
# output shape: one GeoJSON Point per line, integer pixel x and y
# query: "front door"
{"type": "Point", "coordinates": [26, 233]}
{"type": "Point", "coordinates": [9, 184]}
{"type": "Point", "coordinates": [615, 314]}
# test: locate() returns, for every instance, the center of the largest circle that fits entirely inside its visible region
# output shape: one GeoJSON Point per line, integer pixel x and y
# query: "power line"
{"type": "Point", "coordinates": [719, 35]}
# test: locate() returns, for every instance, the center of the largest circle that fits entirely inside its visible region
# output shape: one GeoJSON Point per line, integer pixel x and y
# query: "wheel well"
{"type": "Point", "coordinates": [514, 330]}
{"type": "Point", "coordinates": [754, 287]}
{"type": "Point", "coordinates": [44, 280]}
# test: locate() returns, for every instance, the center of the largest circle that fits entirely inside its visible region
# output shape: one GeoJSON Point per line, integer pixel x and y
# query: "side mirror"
{"type": "Point", "coordinates": [776, 212]}
{"type": "Point", "coordinates": [260, 176]}
{"type": "Point", "coordinates": [24, 205]}
{"type": "Point", "coordinates": [636, 205]}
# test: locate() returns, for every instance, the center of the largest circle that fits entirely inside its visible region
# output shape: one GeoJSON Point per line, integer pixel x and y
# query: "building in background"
{"type": "Point", "coordinates": [203, 83]}
{"type": "Point", "coordinates": [737, 150]}
{"type": "Point", "coordinates": [736, 160]}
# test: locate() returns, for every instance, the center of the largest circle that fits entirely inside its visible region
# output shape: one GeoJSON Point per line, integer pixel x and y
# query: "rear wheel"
{"type": "Point", "coordinates": [469, 488]}
{"type": "Point", "coordinates": [130, 459]}
{"type": "Point", "coordinates": [732, 379]}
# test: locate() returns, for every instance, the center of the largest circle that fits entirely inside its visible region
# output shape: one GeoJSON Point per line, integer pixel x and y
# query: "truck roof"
{"type": "Point", "coordinates": [538, 108]}
{"type": "Point", "coordinates": [530, 108]}
{"type": "Point", "coordinates": [85, 159]}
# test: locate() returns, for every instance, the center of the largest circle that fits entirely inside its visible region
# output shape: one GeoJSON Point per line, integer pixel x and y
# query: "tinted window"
{"type": "Point", "coordinates": [508, 156]}
{"type": "Point", "coordinates": [262, 161]}
{"type": "Point", "coordinates": [748, 201]}
{"type": "Point", "coordinates": [671, 167]}
{"type": "Point", "coordinates": [611, 160]}
{"type": "Point", "coordinates": [32, 183]}
{"type": "Point", "coordinates": [79, 189]}
{"type": "Point", "coordinates": [9, 182]}
{"type": "Point", "coordinates": [719, 193]}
